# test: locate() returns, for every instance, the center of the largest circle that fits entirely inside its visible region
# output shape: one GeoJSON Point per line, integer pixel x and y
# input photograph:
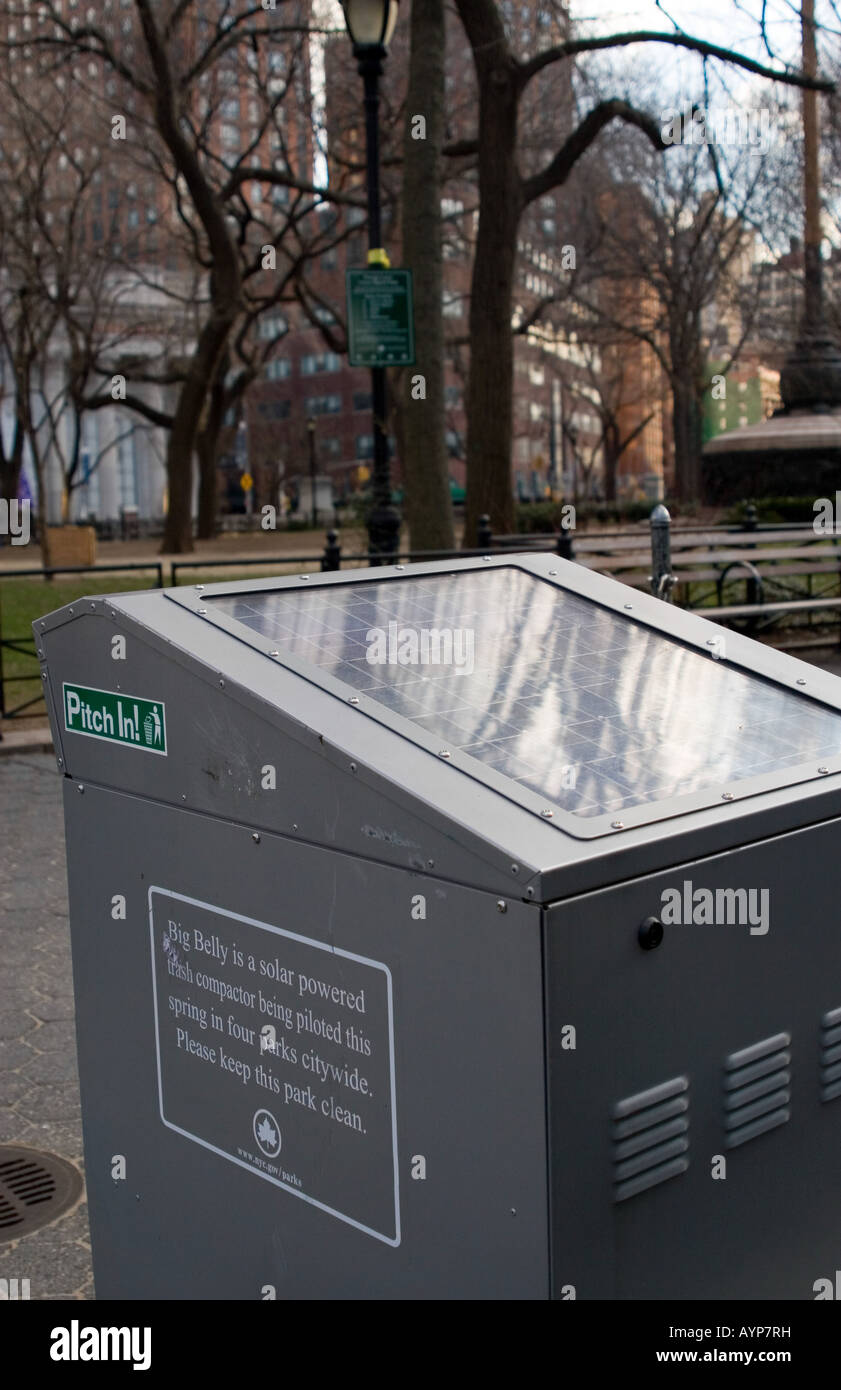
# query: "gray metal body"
{"type": "Point", "coordinates": [435, 915]}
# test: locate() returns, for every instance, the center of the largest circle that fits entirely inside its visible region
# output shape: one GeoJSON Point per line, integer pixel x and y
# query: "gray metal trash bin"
{"type": "Point", "coordinates": [465, 931]}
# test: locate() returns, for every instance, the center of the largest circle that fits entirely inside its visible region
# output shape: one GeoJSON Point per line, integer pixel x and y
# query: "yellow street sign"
{"type": "Point", "coordinates": [246, 482]}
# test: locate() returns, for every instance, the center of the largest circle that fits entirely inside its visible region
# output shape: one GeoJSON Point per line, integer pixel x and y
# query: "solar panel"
{"type": "Point", "coordinates": [593, 711]}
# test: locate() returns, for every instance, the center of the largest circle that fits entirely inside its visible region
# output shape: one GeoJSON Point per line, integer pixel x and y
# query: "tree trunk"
{"type": "Point", "coordinates": [178, 529]}
{"type": "Point", "coordinates": [686, 428]}
{"type": "Point", "coordinates": [490, 383]}
{"type": "Point", "coordinates": [428, 506]}
{"type": "Point", "coordinates": [207, 450]}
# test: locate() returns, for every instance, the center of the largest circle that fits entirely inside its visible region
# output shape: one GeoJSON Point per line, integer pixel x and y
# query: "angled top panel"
{"type": "Point", "coordinates": [549, 692]}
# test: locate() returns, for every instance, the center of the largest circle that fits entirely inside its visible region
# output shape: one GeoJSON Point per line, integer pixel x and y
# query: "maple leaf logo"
{"type": "Point", "coordinates": [266, 1133]}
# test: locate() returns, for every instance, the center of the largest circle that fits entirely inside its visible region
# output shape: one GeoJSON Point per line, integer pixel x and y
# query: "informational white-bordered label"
{"type": "Point", "coordinates": [276, 1052]}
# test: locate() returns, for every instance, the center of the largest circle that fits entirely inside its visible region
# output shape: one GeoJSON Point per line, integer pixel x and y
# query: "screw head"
{"type": "Point", "coordinates": [399, 567]}
{"type": "Point", "coordinates": [354, 700]}
{"type": "Point", "coordinates": [294, 825]}
{"type": "Point", "coordinates": [274, 653]}
{"type": "Point", "coordinates": [222, 683]}
{"type": "Point", "coordinates": [202, 612]}
{"type": "Point", "coordinates": [353, 767]}
{"type": "Point", "coordinates": [823, 770]}
{"type": "Point", "coordinates": [547, 815]}
{"type": "Point", "coordinates": [800, 680]}
{"type": "Point", "coordinates": [617, 825]}
{"type": "Point", "coordinates": [303, 577]}
{"type": "Point", "coordinates": [628, 606]}
{"type": "Point", "coordinates": [501, 905]}
{"type": "Point", "coordinates": [553, 572]}
{"type": "Point", "coordinates": [199, 588]}
{"type": "Point", "coordinates": [255, 837]}
{"type": "Point", "coordinates": [728, 796]}
{"type": "Point", "coordinates": [93, 607]}
{"type": "Point", "coordinates": [81, 786]}
{"type": "Point", "coordinates": [444, 753]}
{"type": "Point", "coordinates": [515, 868]}
{"type": "Point", "coordinates": [486, 557]}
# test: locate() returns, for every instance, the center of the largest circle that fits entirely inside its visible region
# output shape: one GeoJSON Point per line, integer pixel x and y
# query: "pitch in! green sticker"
{"type": "Point", "coordinates": [116, 718]}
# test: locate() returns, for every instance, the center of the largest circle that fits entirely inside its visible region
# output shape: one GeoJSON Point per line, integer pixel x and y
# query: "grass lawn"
{"type": "Point", "coordinates": [24, 600]}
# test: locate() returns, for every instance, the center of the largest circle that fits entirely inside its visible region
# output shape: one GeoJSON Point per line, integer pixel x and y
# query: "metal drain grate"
{"type": "Point", "coordinates": [35, 1188]}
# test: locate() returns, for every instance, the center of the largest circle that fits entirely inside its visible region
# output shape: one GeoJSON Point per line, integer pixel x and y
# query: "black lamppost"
{"type": "Point", "coordinates": [311, 435]}
{"type": "Point", "coordinates": [370, 24]}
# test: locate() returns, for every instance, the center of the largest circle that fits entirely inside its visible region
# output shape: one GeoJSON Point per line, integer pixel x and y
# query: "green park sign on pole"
{"type": "Point", "coordinates": [381, 325]}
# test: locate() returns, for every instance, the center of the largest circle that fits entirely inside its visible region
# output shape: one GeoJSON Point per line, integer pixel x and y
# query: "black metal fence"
{"type": "Point", "coordinates": [332, 558]}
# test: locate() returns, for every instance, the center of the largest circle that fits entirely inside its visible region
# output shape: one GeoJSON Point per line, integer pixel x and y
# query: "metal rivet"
{"type": "Point", "coordinates": [199, 588]}
{"type": "Point", "coordinates": [43, 675]}
{"type": "Point", "coordinates": [354, 700]}
{"type": "Point", "coordinates": [617, 825]}
{"type": "Point", "coordinates": [222, 683]}
{"type": "Point", "coordinates": [353, 767]}
{"type": "Point", "coordinates": [274, 653]}
{"type": "Point", "coordinates": [727, 796]}
{"type": "Point", "coordinates": [513, 1211]}
{"type": "Point", "coordinates": [824, 770]}
{"type": "Point", "coordinates": [399, 567]}
{"type": "Point", "coordinates": [515, 868]}
{"type": "Point", "coordinates": [713, 641]}
{"type": "Point", "coordinates": [70, 610]}
{"type": "Point", "coordinates": [529, 892]}
{"type": "Point", "coordinates": [548, 814]}
{"type": "Point", "coordinates": [294, 825]}
{"type": "Point", "coordinates": [801, 681]}
{"type": "Point", "coordinates": [501, 905]}
{"type": "Point", "coordinates": [202, 612]}
{"type": "Point", "coordinates": [486, 557]}
{"type": "Point", "coordinates": [183, 796]}
{"type": "Point", "coordinates": [43, 625]}
{"type": "Point", "coordinates": [93, 607]}
{"type": "Point", "coordinates": [629, 606]}
{"type": "Point", "coordinates": [430, 863]}
{"type": "Point", "coordinates": [553, 572]}
{"type": "Point", "coordinates": [444, 753]}
{"type": "Point", "coordinates": [303, 576]}
{"type": "Point", "coordinates": [255, 837]}
{"type": "Point", "coordinates": [81, 787]}
{"type": "Point", "coordinates": [60, 762]}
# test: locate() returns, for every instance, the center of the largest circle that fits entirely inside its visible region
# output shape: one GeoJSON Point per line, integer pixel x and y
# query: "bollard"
{"type": "Point", "coordinates": [563, 545]}
{"type": "Point", "coordinates": [332, 557]}
{"type": "Point", "coordinates": [484, 534]}
{"type": "Point", "coordinates": [661, 579]}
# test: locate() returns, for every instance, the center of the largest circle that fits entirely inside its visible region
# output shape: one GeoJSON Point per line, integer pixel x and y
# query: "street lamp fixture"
{"type": "Point", "coordinates": [370, 24]}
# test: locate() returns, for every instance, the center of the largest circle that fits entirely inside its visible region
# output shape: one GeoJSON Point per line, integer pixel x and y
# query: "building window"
{"type": "Point", "coordinates": [364, 446]}
{"type": "Point", "coordinates": [362, 400]}
{"type": "Point", "coordinates": [272, 326]}
{"type": "Point", "coordinates": [323, 405]}
{"type": "Point", "coordinates": [278, 369]}
{"type": "Point", "coordinates": [451, 304]}
{"type": "Point", "coordinates": [316, 362]}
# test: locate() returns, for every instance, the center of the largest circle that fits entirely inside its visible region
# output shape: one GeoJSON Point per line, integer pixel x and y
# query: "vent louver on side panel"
{"type": "Point", "coordinates": [757, 1084]}
{"type": "Point", "coordinates": [831, 1055]}
{"type": "Point", "coordinates": [649, 1134]}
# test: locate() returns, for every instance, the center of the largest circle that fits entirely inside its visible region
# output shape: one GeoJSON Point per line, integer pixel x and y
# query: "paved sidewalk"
{"type": "Point", "coordinates": [39, 1089]}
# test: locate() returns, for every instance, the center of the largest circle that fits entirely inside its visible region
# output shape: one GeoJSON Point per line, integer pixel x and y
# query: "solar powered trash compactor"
{"type": "Point", "coordinates": [506, 963]}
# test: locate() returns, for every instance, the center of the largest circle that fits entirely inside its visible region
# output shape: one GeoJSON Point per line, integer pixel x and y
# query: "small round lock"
{"type": "Point", "coordinates": [650, 933]}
